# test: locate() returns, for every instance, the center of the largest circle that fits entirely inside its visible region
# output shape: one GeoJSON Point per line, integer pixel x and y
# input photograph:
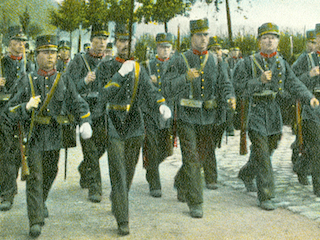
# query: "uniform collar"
{"type": "Point", "coordinates": [196, 52]}
{"type": "Point", "coordinates": [45, 73]}
{"type": "Point", "coordinates": [318, 52]}
{"type": "Point", "coordinates": [15, 57]}
{"type": "Point", "coordinates": [122, 60]}
{"type": "Point", "coordinates": [268, 55]}
{"type": "Point", "coordinates": [92, 54]}
{"type": "Point", "coordinates": [162, 60]}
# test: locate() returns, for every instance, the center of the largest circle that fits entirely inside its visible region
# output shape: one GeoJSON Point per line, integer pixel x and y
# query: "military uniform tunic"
{"type": "Point", "coordinates": [310, 118]}
{"type": "Point", "coordinates": [159, 140]}
{"type": "Point", "coordinates": [196, 125]}
{"type": "Point", "coordinates": [13, 69]}
{"type": "Point", "coordinates": [44, 145]}
{"type": "Point", "coordinates": [264, 117]}
{"type": "Point", "coordinates": [94, 147]}
{"type": "Point", "coordinates": [125, 127]}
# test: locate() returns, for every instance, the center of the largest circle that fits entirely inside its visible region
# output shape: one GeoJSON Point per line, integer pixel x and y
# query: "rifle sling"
{"type": "Point", "coordinates": [136, 81]}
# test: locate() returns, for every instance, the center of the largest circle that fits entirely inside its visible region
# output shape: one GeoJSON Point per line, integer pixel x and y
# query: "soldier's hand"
{"type": "Point", "coordinates": [232, 103]}
{"type": "Point", "coordinates": [91, 76]}
{"type": "Point", "coordinates": [33, 102]}
{"type": "Point", "coordinates": [153, 79]}
{"type": "Point", "coordinates": [85, 131]}
{"type": "Point", "coordinates": [314, 102]}
{"type": "Point", "coordinates": [314, 71]}
{"type": "Point", "coordinates": [2, 82]}
{"type": "Point", "coordinates": [192, 74]}
{"type": "Point", "coordinates": [126, 68]}
{"type": "Point", "coordinates": [266, 76]}
{"type": "Point", "coordinates": [165, 112]}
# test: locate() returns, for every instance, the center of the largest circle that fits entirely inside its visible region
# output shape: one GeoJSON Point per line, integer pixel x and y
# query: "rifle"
{"type": "Point", "coordinates": [25, 172]}
{"type": "Point", "coordinates": [299, 126]}
{"type": "Point", "coordinates": [243, 126]}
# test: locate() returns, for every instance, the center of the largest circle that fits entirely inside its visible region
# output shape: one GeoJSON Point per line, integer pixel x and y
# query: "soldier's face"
{"type": "Point", "coordinates": [123, 47]}
{"type": "Point", "coordinates": [311, 45]}
{"type": "Point", "coordinates": [318, 42]}
{"type": "Point", "coordinates": [46, 59]}
{"type": "Point", "coordinates": [164, 51]}
{"type": "Point", "coordinates": [99, 44]}
{"type": "Point", "coordinates": [268, 43]}
{"type": "Point", "coordinates": [16, 47]}
{"type": "Point", "coordinates": [64, 53]}
{"type": "Point", "coordinates": [200, 40]}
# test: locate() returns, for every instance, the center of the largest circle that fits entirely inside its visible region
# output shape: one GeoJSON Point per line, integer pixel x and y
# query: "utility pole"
{"type": "Point", "coordinates": [229, 23]}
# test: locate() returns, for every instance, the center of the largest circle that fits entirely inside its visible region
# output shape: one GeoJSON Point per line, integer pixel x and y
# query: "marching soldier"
{"type": "Point", "coordinates": [126, 85]}
{"type": "Point", "coordinates": [64, 55]}
{"type": "Point", "coordinates": [13, 67]}
{"type": "Point", "coordinates": [262, 78]}
{"type": "Point", "coordinates": [202, 98]}
{"type": "Point", "coordinates": [41, 96]}
{"type": "Point", "coordinates": [307, 69]}
{"type": "Point", "coordinates": [109, 51]}
{"type": "Point", "coordinates": [158, 145]}
{"type": "Point", "coordinates": [86, 47]}
{"type": "Point", "coordinates": [215, 47]}
{"type": "Point", "coordinates": [82, 70]}
{"type": "Point", "coordinates": [303, 71]}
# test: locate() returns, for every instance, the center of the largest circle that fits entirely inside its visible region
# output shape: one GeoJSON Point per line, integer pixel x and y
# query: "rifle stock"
{"type": "Point", "coordinates": [243, 126]}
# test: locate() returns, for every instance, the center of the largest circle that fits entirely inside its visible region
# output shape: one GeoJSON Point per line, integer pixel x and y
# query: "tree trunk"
{"type": "Point", "coordinates": [229, 24]}
{"type": "Point", "coordinates": [166, 27]}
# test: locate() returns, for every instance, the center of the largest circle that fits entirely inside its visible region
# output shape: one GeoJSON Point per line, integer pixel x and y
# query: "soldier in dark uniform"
{"type": "Point", "coordinates": [82, 70]}
{"type": "Point", "coordinates": [86, 47]}
{"type": "Point", "coordinates": [109, 51]}
{"type": "Point", "coordinates": [307, 69]}
{"type": "Point", "coordinates": [42, 96]}
{"type": "Point", "coordinates": [262, 78]}
{"type": "Point", "coordinates": [64, 55]}
{"type": "Point", "coordinates": [126, 85]}
{"type": "Point", "coordinates": [304, 67]}
{"type": "Point", "coordinates": [158, 145]}
{"type": "Point", "coordinates": [201, 98]}
{"type": "Point", "coordinates": [13, 67]}
{"type": "Point", "coordinates": [215, 47]}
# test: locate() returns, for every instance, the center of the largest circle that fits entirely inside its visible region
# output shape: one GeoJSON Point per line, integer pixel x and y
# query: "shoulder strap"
{"type": "Point", "coordinates": [185, 59]}
{"type": "Point", "coordinates": [33, 111]}
{"type": "Point", "coordinates": [136, 82]}
{"type": "Point", "coordinates": [148, 66]}
{"type": "Point", "coordinates": [50, 94]}
{"type": "Point", "coordinates": [256, 63]}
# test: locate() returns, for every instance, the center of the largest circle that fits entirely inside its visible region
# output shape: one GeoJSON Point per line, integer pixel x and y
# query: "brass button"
{"type": "Point", "coordinates": [280, 81]}
{"type": "Point", "coordinates": [202, 87]}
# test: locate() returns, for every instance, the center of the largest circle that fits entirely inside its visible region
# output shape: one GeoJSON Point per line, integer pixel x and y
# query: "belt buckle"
{"type": "Point", "coordinates": [127, 107]}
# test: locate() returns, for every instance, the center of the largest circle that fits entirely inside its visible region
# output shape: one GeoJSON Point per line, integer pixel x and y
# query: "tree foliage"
{"type": "Point", "coordinates": [69, 15]}
{"type": "Point", "coordinates": [161, 11]}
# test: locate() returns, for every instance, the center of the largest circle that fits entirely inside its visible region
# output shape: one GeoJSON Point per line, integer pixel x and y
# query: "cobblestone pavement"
{"type": "Point", "coordinates": [290, 194]}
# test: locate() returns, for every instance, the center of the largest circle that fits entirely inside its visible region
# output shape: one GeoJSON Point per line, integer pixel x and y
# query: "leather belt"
{"type": "Point", "coordinates": [121, 107]}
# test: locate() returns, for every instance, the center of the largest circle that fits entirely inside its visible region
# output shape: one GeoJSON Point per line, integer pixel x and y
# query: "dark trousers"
{"type": "Point", "coordinates": [197, 147]}
{"type": "Point", "coordinates": [158, 145]}
{"type": "Point", "coordinates": [43, 167]}
{"type": "Point", "coordinates": [259, 164]}
{"type": "Point", "coordinates": [311, 138]}
{"type": "Point", "coordinates": [123, 156]}
{"type": "Point", "coordinates": [93, 149]}
{"type": "Point", "coordinates": [9, 169]}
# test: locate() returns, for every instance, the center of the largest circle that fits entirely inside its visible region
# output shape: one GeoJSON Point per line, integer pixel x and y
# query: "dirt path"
{"type": "Point", "coordinates": [228, 213]}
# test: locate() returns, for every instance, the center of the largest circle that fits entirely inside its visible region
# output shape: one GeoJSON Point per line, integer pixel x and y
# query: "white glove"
{"type": "Point", "coordinates": [86, 131]}
{"type": "Point", "coordinates": [33, 102]}
{"type": "Point", "coordinates": [165, 112]}
{"type": "Point", "coordinates": [126, 67]}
